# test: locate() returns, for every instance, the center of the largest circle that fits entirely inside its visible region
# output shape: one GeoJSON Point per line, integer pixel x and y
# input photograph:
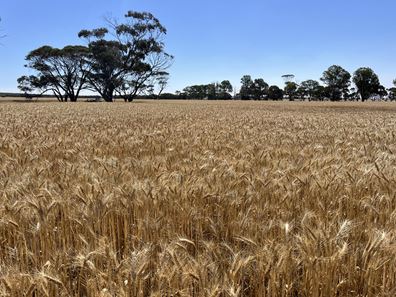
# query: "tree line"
{"type": "Point", "coordinates": [336, 85]}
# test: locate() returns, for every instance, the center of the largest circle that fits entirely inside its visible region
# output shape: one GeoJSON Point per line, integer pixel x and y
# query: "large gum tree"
{"type": "Point", "coordinates": [367, 82]}
{"type": "Point", "coordinates": [127, 58]}
{"type": "Point", "coordinates": [337, 80]}
{"type": "Point", "coordinates": [60, 71]}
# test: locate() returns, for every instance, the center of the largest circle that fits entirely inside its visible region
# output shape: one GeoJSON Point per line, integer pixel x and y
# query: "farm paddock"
{"type": "Point", "coordinates": [197, 198]}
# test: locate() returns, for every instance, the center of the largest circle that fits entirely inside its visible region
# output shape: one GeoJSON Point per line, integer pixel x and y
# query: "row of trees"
{"type": "Point", "coordinates": [336, 80]}
{"type": "Point", "coordinates": [210, 91]}
{"type": "Point", "coordinates": [121, 59]}
{"type": "Point", "coordinates": [336, 85]}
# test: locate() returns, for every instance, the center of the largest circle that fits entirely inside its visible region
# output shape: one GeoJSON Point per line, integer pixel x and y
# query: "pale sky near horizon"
{"type": "Point", "coordinates": [213, 40]}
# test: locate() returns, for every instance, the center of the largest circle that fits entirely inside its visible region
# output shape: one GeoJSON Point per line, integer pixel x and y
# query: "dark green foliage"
{"type": "Point", "coordinates": [291, 90]}
{"type": "Point", "coordinates": [27, 84]}
{"type": "Point", "coordinates": [257, 89]}
{"type": "Point", "coordinates": [62, 71]}
{"type": "Point", "coordinates": [224, 89]}
{"type": "Point", "coordinates": [130, 60]}
{"type": "Point", "coordinates": [309, 88]}
{"type": "Point", "coordinates": [321, 93]}
{"type": "Point", "coordinates": [211, 91]}
{"type": "Point", "coordinates": [275, 93]}
{"type": "Point", "coordinates": [196, 92]}
{"type": "Point", "coordinates": [367, 82]}
{"type": "Point", "coordinates": [170, 96]}
{"type": "Point", "coordinates": [246, 88]}
{"type": "Point", "coordinates": [337, 80]}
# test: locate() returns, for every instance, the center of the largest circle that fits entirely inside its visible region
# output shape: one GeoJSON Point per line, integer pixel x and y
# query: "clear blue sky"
{"type": "Point", "coordinates": [214, 40]}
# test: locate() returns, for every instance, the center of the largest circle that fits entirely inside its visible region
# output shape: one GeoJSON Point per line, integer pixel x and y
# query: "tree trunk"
{"type": "Point", "coordinates": [108, 95]}
{"type": "Point", "coordinates": [73, 98]}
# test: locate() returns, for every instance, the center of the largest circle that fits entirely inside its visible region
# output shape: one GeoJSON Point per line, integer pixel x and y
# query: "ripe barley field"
{"type": "Point", "coordinates": [176, 198]}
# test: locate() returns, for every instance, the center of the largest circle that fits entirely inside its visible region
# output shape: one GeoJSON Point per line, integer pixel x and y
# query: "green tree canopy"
{"type": "Point", "coordinates": [367, 82]}
{"type": "Point", "coordinates": [209, 91]}
{"type": "Point", "coordinates": [62, 71]}
{"type": "Point", "coordinates": [226, 86]}
{"type": "Point", "coordinates": [309, 88]}
{"type": "Point", "coordinates": [275, 93]}
{"type": "Point", "coordinates": [337, 80]}
{"type": "Point", "coordinates": [127, 58]}
{"type": "Point", "coordinates": [224, 89]}
{"type": "Point", "coordinates": [246, 88]}
{"type": "Point", "coordinates": [291, 89]}
{"type": "Point", "coordinates": [259, 89]}
{"type": "Point", "coordinates": [253, 89]}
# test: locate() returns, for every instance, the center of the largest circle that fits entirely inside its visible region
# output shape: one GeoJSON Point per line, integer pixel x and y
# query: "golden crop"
{"type": "Point", "coordinates": [197, 199]}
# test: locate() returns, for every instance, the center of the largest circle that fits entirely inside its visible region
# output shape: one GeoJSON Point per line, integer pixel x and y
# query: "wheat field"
{"type": "Point", "coordinates": [168, 198]}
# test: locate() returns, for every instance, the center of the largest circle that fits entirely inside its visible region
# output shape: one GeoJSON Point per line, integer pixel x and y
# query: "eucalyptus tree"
{"type": "Point", "coordinates": [226, 86]}
{"type": "Point", "coordinates": [291, 90]}
{"type": "Point", "coordinates": [126, 58]}
{"type": "Point", "coordinates": [288, 78]}
{"type": "Point", "coordinates": [246, 88]}
{"type": "Point", "coordinates": [275, 93]}
{"type": "Point", "coordinates": [309, 88]}
{"type": "Point", "coordinates": [367, 82]}
{"type": "Point", "coordinates": [337, 80]}
{"type": "Point", "coordinates": [162, 82]}
{"type": "Point", "coordinates": [62, 71]}
{"type": "Point", "coordinates": [253, 89]}
{"type": "Point", "coordinates": [259, 89]}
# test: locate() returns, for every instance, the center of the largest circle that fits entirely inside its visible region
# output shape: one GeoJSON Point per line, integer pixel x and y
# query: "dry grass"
{"type": "Point", "coordinates": [197, 199]}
